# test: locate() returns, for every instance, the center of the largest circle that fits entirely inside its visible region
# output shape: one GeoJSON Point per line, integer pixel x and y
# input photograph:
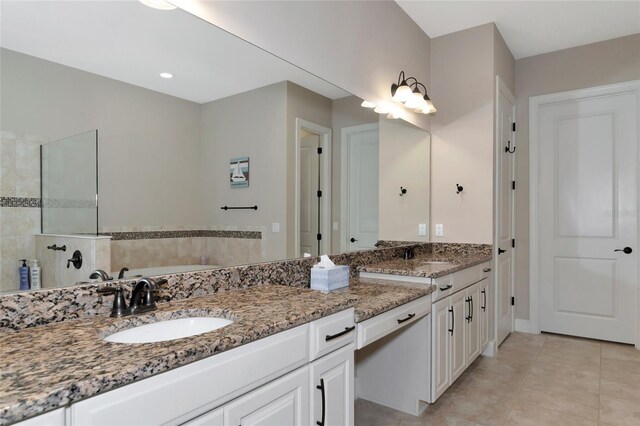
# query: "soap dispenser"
{"type": "Point", "coordinates": [24, 275]}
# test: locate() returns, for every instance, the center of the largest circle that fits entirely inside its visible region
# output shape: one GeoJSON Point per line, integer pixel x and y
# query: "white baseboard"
{"type": "Point", "coordinates": [523, 326]}
{"type": "Point", "coordinates": [491, 349]}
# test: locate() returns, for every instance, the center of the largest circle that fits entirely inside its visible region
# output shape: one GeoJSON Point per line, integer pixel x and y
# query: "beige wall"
{"type": "Point", "coordinates": [140, 162]}
{"type": "Point", "coordinates": [462, 74]}
{"type": "Point", "coordinates": [596, 64]}
{"type": "Point", "coordinates": [310, 106]}
{"type": "Point", "coordinates": [360, 46]}
{"type": "Point", "coordinates": [347, 112]}
{"type": "Point", "coordinates": [404, 161]}
{"type": "Point", "coordinates": [251, 124]}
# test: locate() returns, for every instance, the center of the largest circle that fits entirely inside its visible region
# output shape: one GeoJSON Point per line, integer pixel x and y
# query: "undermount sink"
{"type": "Point", "coordinates": [436, 262]}
{"type": "Point", "coordinates": [162, 331]}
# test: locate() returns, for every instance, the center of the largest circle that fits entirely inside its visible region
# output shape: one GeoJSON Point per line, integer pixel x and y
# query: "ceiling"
{"type": "Point", "coordinates": [130, 42]}
{"type": "Point", "coordinates": [530, 27]}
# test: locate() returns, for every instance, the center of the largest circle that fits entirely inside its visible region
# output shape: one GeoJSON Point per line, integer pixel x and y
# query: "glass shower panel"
{"type": "Point", "coordinates": [70, 185]}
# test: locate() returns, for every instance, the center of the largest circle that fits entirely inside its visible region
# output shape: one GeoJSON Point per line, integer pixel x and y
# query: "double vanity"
{"type": "Point", "coordinates": [276, 353]}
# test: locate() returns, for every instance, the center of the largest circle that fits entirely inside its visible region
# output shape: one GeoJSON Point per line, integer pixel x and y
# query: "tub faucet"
{"type": "Point", "coordinates": [122, 271]}
{"type": "Point", "coordinates": [99, 273]}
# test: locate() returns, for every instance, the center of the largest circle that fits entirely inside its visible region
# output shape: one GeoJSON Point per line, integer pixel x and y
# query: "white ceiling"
{"type": "Point", "coordinates": [130, 42]}
{"type": "Point", "coordinates": [530, 27]}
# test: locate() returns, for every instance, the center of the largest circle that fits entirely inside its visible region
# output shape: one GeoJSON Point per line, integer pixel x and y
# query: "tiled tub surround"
{"type": "Point", "coordinates": [28, 309]}
{"type": "Point", "coordinates": [32, 382]}
{"type": "Point", "coordinates": [19, 202]}
{"type": "Point", "coordinates": [146, 247]}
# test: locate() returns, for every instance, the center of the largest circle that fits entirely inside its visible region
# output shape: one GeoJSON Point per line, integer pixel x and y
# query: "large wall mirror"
{"type": "Point", "coordinates": [127, 130]}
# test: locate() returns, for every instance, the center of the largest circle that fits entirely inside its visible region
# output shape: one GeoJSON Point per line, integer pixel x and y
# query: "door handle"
{"type": "Point", "coordinates": [453, 319]}
{"type": "Point", "coordinates": [445, 288]}
{"type": "Point", "coordinates": [500, 251]}
{"type": "Point", "coordinates": [330, 337]}
{"type": "Point", "coordinates": [626, 250]}
{"type": "Point", "coordinates": [468, 317]}
{"type": "Point", "coordinates": [471, 300]}
{"type": "Point", "coordinates": [353, 240]}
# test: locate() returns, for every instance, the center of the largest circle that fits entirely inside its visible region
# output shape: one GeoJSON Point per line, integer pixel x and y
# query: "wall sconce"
{"type": "Point", "coordinates": [407, 92]}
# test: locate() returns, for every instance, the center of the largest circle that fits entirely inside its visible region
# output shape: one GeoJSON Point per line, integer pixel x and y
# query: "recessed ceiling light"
{"type": "Point", "coordinates": [166, 75]}
{"type": "Point", "coordinates": [158, 4]}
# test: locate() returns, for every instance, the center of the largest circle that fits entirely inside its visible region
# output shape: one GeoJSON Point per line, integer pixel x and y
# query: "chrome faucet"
{"type": "Point", "coordinates": [99, 273]}
{"type": "Point", "coordinates": [141, 297]}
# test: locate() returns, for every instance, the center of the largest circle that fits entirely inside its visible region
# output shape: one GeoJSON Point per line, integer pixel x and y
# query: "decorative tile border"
{"type": "Point", "coordinates": [64, 203]}
{"type": "Point", "coordinates": [19, 202]}
{"type": "Point", "coordinates": [154, 235]}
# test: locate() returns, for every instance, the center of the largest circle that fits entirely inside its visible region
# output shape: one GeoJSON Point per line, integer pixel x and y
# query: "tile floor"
{"type": "Point", "coordinates": [535, 380]}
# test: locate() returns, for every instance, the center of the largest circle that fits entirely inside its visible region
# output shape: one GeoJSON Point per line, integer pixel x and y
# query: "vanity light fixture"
{"type": "Point", "coordinates": [158, 4]}
{"type": "Point", "coordinates": [407, 92]}
{"type": "Point", "coordinates": [367, 104]}
{"type": "Point", "coordinates": [381, 109]}
{"type": "Point", "coordinates": [166, 75]}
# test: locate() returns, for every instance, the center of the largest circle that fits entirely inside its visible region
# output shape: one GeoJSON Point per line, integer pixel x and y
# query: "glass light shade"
{"type": "Point", "coordinates": [381, 109]}
{"type": "Point", "coordinates": [393, 115]}
{"type": "Point", "coordinates": [403, 93]}
{"type": "Point", "coordinates": [367, 104]}
{"type": "Point", "coordinates": [413, 102]}
{"type": "Point", "coordinates": [158, 4]}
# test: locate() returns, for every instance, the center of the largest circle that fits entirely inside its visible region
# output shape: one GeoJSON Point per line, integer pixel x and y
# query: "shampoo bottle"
{"type": "Point", "coordinates": [34, 274]}
{"type": "Point", "coordinates": [24, 275]}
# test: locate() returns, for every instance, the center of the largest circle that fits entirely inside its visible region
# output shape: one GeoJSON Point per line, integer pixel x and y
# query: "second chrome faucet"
{"type": "Point", "coordinates": [142, 298]}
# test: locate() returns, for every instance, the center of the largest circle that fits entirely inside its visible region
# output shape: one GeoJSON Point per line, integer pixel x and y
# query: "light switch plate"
{"type": "Point", "coordinates": [439, 230]}
{"type": "Point", "coordinates": [275, 227]}
{"type": "Point", "coordinates": [422, 229]}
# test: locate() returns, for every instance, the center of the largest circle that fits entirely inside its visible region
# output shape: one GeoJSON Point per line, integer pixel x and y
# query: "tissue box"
{"type": "Point", "coordinates": [327, 279]}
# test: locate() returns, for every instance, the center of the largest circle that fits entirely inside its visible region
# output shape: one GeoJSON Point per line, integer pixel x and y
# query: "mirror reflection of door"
{"type": "Point", "coordinates": [360, 187]}
{"type": "Point", "coordinates": [310, 184]}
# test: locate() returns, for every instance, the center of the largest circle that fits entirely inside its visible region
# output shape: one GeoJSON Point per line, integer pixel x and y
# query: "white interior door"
{"type": "Point", "coordinates": [588, 193]}
{"type": "Point", "coordinates": [360, 186]}
{"type": "Point", "coordinates": [505, 198]}
{"type": "Point", "coordinates": [309, 186]}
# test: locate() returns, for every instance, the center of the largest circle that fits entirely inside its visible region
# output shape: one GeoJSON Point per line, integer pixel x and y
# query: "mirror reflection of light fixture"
{"type": "Point", "coordinates": [407, 91]}
{"type": "Point", "coordinates": [158, 4]}
{"type": "Point", "coordinates": [367, 104]}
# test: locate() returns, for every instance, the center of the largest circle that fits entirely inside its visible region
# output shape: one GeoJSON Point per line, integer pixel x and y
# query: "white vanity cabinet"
{"type": "Point", "coordinates": [460, 329]}
{"type": "Point", "coordinates": [271, 381]}
{"type": "Point", "coordinates": [52, 418]}
{"type": "Point", "coordinates": [332, 388]}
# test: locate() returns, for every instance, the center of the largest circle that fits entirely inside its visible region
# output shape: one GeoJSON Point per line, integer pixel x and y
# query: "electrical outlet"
{"type": "Point", "coordinates": [439, 230]}
{"type": "Point", "coordinates": [275, 227]}
{"type": "Point", "coordinates": [422, 229]}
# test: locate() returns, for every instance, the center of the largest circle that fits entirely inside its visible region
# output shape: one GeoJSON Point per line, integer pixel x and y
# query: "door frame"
{"type": "Point", "coordinates": [501, 87]}
{"type": "Point", "coordinates": [325, 209]}
{"type": "Point", "coordinates": [535, 102]}
{"type": "Point", "coordinates": [344, 178]}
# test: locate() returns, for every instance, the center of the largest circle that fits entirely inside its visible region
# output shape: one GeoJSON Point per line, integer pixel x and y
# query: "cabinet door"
{"type": "Point", "coordinates": [458, 347]}
{"type": "Point", "coordinates": [440, 347]}
{"type": "Point", "coordinates": [473, 322]}
{"type": "Point", "coordinates": [52, 418]}
{"type": "Point", "coordinates": [283, 402]}
{"type": "Point", "coordinates": [483, 312]}
{"type": "Point", "coordinates": [332, 382]}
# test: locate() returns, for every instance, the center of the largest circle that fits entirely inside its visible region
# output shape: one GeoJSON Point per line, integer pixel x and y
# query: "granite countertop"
{"type": "Point", "coordinates": [50, 366]}
{"type": "Point", "coordinates": [377, 296]}
{"type": "Point", "coordinates": [427, 265]}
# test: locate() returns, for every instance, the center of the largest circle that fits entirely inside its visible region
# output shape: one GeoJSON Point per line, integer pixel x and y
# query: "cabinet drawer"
{"type": "Point", "coordinates": [52, 418]}
{"type": "Point", "coordinates": [189, 391]}
{"type": "Point", "coordinates": [444, 286]}
{"type": "Point", "coordinates": [464, 278]}
{"type": "Point", "coordinates": [212, 418]}
{"type": "Point", "coordinates": [329, 333]}
{"type": "Point", "coordinates": [379, 326]}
